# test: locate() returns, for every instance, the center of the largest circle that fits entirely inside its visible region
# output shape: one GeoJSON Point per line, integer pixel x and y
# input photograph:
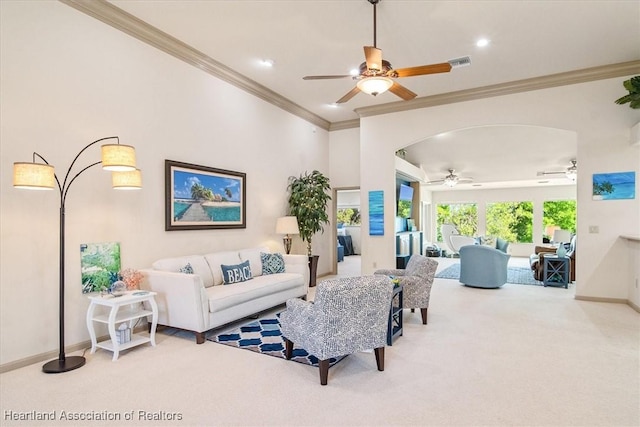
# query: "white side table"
{"type": "Point", "coordinates": [126, 308]}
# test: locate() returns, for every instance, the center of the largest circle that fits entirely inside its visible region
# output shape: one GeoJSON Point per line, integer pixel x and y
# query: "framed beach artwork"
{"type": "Point", "coordinates": [376, 213]}
{"type": "Point", "coordinates": [614, 186]}
{"type": "Point", "coordinates": [201, 197]}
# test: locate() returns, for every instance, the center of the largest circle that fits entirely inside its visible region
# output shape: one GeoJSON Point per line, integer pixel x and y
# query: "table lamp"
{"type": "Point", "coordinates": [287, 225]}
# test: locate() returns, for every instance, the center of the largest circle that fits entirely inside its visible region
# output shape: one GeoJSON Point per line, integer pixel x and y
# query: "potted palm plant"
{"type": "Point", "coordinates": [633, 97]}
{"type": "Point", "coordinates": [308, 198]}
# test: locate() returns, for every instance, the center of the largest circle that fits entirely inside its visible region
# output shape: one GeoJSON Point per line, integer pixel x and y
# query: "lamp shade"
{"type": "Point", "coordinates": [374, 85]}
{"type": "Point", "coordinates": [561, 236]}
{"type": "Point", "coordinates": [127, 180]}
{"type": "Point", "coordinates": [118, 157]}
{"type": "Point", "coordinates": [33, 176]}
{"type": "Point", "coordinates": [287, 225]}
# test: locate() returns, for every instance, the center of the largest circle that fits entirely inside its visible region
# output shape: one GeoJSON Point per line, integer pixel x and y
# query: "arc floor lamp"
{"type": "Point", "coordinates": [118, 158]}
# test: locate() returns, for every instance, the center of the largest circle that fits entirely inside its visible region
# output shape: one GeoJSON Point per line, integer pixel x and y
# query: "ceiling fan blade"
{"type": "Point", "coordinates": [420, 70]}
{"type": "Point", "coordinates": [439, 181]}
{"type": "Point", "coordinates": [373, 57]}
{"type": "Point", "coordinates": [550, 173]}
{"type": "Point", "coordinates": [326, 77]}
{"type": "Point", "coordinates": [353, 92]}
{"type": "Point", "coordinates": [401, 91]}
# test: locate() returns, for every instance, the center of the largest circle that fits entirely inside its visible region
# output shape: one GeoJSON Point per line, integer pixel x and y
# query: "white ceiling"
{"type": "Point", "coordinates": [527, 39]}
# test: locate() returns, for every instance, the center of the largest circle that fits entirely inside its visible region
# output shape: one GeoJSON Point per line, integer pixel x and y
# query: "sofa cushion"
{"type": "Point", "coordinates": [216, 259]}
{"type": "Point", "coordinates": [223, 297]}
{"type": "Point", "coordinates": [253, 256]}
{"type": "Point", "coordinates": [198, 264]}
{"type": "Point", "coordinates": [236, 273]}
{"type": "Point", "coordinates": [272, 263]}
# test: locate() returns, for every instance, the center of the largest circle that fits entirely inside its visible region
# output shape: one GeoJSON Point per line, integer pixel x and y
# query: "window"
{"type": "Point", "coordinates": [512, 221]}
{"type": "Point", "coordinates": [558, 214]}
{"type": "Point", "coordinates": [349, 216]}
{"type": "Point", "coordinates": [463, 215]}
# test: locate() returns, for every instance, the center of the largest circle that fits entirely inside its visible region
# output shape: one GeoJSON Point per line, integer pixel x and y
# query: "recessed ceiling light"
{"type": "Point", "coordinates": [543, 182]}
{"type": "Point", "coordinates": [476, 185]}
{"type": "Point", "coordinates": [354, 72]}
{"type": "Point", "coordinates": [482, 42]}
{"type": "Point", "coordinates": [267, 62]}
{"type": "Point", "coordinates": [333, 105]}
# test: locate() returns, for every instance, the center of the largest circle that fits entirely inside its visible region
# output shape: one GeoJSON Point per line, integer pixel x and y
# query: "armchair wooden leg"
{"type": "Point", "coordinates": [324, 371]}
{"type": "Point", "coordinates": [288, 349]}
{"type": "Point", "coordinates": [423, 311]}
{"type": "Point", "coordinates": [379, 358]}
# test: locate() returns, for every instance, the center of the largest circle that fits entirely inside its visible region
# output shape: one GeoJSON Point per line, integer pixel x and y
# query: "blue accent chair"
{"type": "Point", "coordinates": [483, 266]}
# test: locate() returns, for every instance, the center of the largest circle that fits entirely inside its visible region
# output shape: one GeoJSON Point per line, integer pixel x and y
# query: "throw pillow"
{"type": "Point", "coordinates": [187, 269]}
{"type": "Point", "coordinates": [236, 273]}
{"type": "Point", "coordinates": [272, 263]}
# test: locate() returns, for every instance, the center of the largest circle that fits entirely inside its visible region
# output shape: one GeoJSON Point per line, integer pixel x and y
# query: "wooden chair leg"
{"type": "Point", "coordinates": [288, 349]}
{"type": "Point", "coordinates": [324, 371]}
{"type": "Point", "coordinates": [379, 358]}
{"type": "Point", "coordinates": [423, 311]}
{"type": "Point", "coordinates": [199, 337]}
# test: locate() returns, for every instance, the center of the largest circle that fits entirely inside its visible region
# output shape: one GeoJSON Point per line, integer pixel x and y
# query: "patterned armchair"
{"type": "Point", "coordinates": [416, 281]}
{"type": "Point", "coordinates": [348, 315]}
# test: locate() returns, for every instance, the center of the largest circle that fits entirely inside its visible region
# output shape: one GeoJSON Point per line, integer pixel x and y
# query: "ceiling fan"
{"type": "Point", "coordinates": [450, 180]}
{"type": "Point", "coordinates": [375, 74]}
{"type": "Point", "coordinates": [571, 172]}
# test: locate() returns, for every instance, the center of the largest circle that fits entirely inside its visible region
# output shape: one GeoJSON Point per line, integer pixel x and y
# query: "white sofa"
{"type": "Point", "coordinates": [200, 301]}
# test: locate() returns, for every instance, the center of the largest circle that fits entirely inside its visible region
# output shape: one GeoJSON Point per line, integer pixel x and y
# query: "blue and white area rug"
{"type": "Point", "coordinates": [265, 337]}
{"type": "Point", "coordinates": [515, 275]}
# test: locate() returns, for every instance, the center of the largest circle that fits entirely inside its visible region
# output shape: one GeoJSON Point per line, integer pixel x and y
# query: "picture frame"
{"type": "Point", "coordinates": [201, 197]}
{"type": "Point", "coordinates": [614, 186]}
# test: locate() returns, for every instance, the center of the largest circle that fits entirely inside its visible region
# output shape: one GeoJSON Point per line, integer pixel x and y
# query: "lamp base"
{"type": "Point", "coordinates": [68, 364]}
{"type": "Point", "coordinates": [287, 244]}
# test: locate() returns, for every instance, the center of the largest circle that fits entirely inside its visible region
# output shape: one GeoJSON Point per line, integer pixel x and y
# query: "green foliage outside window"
{"type": "Point", "coordinates": [512, 221]}
{"type": "Point", "coordinates": [463, 215]}
{"type": "Point", "coordinates": [348, 216]}
{"type": "Point", "coordinates": [559, 213]}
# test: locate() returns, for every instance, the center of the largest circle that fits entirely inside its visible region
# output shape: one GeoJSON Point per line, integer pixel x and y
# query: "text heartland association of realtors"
{"type": "Point", "coordinates": [63, 415]}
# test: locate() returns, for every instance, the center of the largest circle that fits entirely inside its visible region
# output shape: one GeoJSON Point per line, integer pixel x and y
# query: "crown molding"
{"type": "Point", "coordinates": [346, 124]}
{"type": "Point", "coordinates": [127, 23]}
{"type": "Point", "coordinates": [535, 83]}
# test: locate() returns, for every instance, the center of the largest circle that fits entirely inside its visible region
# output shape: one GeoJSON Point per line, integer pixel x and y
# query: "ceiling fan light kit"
{"type": "Point", "coordinates": [374, 85]}
{"type": "Point", "coordinates": [375, 74]}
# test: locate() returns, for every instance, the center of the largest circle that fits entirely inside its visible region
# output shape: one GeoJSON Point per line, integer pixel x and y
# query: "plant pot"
{"type": "Point", "coordinates": [313, 269]}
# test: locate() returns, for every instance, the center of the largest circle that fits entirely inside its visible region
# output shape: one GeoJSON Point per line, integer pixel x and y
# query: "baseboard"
{"type": "Point", "coordinates": [609, 300]}
{"type": "Point", "coordinates": [50, 355]}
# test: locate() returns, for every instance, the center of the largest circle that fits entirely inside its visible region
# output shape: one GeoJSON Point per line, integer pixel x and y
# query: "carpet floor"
{"type": "Point", "coordinates": [515, 275]}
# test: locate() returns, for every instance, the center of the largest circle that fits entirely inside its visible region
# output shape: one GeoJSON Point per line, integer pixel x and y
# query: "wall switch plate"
{"type": "Point", "coordinates": [594, 229]}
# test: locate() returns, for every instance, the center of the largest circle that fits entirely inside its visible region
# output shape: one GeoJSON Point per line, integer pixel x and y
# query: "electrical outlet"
{"type": "Point", "coordinates": [594, 229]}
{"type": "Point", "coordinates": [375, 264]}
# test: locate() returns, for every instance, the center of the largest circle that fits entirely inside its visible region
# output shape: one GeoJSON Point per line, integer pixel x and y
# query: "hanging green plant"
{"type": "Point", "coordinates": [633, 97]}
{"type": "Point", "coordinates": [308, 200]}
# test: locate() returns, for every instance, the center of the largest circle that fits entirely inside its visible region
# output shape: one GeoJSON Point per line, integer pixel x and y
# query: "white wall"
{"type": "Point", "coordinates": [602, 128]}
{"type": "Point", "coordinates": [536, 195]}
{"type": "Point", "coordinates": [68, 79]}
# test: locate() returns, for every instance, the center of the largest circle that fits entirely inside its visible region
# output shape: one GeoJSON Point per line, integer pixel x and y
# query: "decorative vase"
{"type": "Point", "coordinates": [118, 288]}
{"type": "Point", "coordinates": [561, 251]}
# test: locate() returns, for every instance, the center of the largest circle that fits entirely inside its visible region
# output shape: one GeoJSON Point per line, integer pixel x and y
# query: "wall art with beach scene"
{"type": "Point", "coordinates": [201, 197]}
{"type": "Point", "coordinates": [614, 186]}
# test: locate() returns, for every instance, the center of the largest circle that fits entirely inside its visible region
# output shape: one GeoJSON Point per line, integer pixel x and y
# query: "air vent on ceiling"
{"type": "Point", "coordinates": [460, 62]}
